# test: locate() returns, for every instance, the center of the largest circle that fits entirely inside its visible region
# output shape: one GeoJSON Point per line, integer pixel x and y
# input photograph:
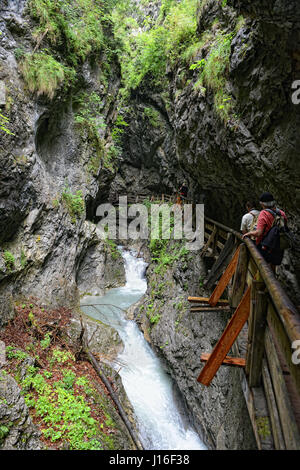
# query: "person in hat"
{"type": "Point", "coordinates": [265, 221]}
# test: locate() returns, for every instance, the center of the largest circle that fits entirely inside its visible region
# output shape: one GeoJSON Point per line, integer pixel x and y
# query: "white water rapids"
{"type": "Point", "coordinates": [147, 385]}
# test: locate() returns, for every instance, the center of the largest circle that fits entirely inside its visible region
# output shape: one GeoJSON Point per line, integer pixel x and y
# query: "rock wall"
{"type": "Point", "coordinates": [44, 165]}
{"type": "Point", "coordinates": [226, 162]}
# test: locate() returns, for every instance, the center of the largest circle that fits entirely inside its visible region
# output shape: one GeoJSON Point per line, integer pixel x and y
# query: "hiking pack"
{"type": "Point", "coordinates": [278, 239]}
{"type": "Point", "coordinates": [254, 221]}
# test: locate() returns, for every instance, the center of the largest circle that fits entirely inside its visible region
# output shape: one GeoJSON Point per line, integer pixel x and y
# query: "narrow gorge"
{"type": "Point", "coordinates": [131, 98]}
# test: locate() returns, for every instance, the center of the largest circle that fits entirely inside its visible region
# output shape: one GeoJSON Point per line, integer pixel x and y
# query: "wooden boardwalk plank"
{"type": "Point", "coordinates": [231, 361]}
{"type": "Point", "coordinates": [205, 300]}
{"type": "Point", "coordinates": [201, 308]}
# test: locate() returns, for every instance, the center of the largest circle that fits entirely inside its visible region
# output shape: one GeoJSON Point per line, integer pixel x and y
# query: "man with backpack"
{"type": "Point", "coordinates": [249, 220]}
{"type": "Point", "coordinates": [271, 233]}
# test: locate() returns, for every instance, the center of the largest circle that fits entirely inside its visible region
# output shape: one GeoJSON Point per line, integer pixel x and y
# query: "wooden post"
{"type": "Point", "coordinates": [209, 241]}
{"type": "Point", "coordinates": [226, 341]}
{"type": "Point", "coordinates": [259, 416]}
{"type": "Point", "coordinates": [287, 418]}
{"type": "Point", "coordinates": [214, 241]}
{"type": "Point", "coordinates": [223, 282]}
{"type": "Point", "coordinates": [258, 315]}
{"type": "Point", "coordinates": [239, 280]}
{"type": "Point", "coordinates": [221, 262]}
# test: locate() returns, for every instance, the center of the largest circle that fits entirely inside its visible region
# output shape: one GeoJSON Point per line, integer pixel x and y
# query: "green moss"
{"type": "Point", "coordinates": [3, 123]}
{"type": "Point", "coordinates": [145, 54]}
{"type": "Point", "coordinates": [263, 427]}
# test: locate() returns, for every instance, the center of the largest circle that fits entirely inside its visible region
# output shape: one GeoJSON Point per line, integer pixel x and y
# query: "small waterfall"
{"type": "Point", "coordinates": [148, 387]}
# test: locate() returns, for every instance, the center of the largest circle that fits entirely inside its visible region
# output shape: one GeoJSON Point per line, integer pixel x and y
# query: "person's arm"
{"type": "Point", "coordinates": [261, 224]}
{"type": "Point", "coordinates": [254, 233]}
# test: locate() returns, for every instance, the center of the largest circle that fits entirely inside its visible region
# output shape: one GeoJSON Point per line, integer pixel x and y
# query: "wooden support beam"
{"type": "Point", "coordinates": [240, 276]}
{"type": "Point", "coordinates": [256, 346]}
{"type": "Point", "coordinates": [209, 242]}
{"type": "Point", "coordinates": [221, 308]}
{"type": "Point", "coordinates": [223, 282]}
{"type": "Point", "coordinates": [221, 262]}
{"type": "Point", "coordinates": [205, 300]}
{"type": "Point", "coordinates": [272, 406]}
{"type": "Point", "coordinates": [226, 341]}
{"type": "Point", "coordinates": [230, 361]}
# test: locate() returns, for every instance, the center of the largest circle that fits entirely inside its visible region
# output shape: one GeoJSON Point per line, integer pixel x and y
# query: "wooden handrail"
{"type": "Point", "coordinates": [287, 312]}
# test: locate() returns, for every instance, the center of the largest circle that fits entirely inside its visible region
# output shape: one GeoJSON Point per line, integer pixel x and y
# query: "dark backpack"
{"type": "Point", "coordinates": [286, 239]}
{"type": "Point", "coordinates": [276, 240]}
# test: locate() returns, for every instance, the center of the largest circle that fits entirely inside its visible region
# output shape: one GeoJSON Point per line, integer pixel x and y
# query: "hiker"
{"type": "Point", "coordinates": [183, 191]}
{"type": "Point", "coordinates": [249, 220]}
{"type": "Point", "coordinates": [269, 246]}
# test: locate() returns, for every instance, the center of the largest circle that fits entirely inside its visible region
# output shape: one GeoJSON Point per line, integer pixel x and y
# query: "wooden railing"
{"type": "Point", "coordinates": [270, 376]}
{"type": "Point", "coordinates": [162, 198]}
{"type": "Point", "coordinates": [270, 373]}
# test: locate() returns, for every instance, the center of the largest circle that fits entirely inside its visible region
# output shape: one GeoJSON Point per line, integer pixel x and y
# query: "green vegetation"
{"type": "Point", "coordinates": [64, 414]}
{"type": "Point", "coordinates": [9, 260]}
{"type": "Point", "coordinates": [23, 259]}
{"type": "Point", "coordinates": [74, 25]}
{"type": "Point", "coordinates": [74, 203]}
{"type": "Point", "coordinates": [146, 53]}
{"type": "Point", "coordinates": [214, 72]}
{"type": "Point", "coordinates": [67, 33]}
{"type": "Point", "coordinates": [112, 248]}
{"type": "Point", "coordinates": [43, 74]}
{"type": "Point", "coordinates": [63, 395]}
{"type": "Point", "coordinates": [263, 426]}
{"type": "Point", "coordinates": [88, 116]}
{"type": "Point", "coordinates": [153, 116]}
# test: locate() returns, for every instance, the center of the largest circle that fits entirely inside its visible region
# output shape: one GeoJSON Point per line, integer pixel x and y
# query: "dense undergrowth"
{"type": "Point", "coordinates": [67, 400]}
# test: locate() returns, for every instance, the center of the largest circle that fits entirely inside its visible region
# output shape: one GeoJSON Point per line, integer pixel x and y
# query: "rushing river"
{"type": "Point", "coordinates": [147, 385]}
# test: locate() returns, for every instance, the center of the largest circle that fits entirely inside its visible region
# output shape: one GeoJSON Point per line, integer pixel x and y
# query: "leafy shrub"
{"type": "Point", "coordinates": [214, 72]}
{"type": "Point", "coordinates": [74, 202]}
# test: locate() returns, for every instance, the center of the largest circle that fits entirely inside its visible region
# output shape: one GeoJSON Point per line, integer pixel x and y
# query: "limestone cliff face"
{"type": "Point", "coordinates": [49, 171]}
{"type": "Point", "coordinates": [256, 149]}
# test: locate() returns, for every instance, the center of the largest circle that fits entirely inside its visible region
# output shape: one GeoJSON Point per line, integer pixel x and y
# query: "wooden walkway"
{"type": "Point", "coordinates": [263, 327]}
